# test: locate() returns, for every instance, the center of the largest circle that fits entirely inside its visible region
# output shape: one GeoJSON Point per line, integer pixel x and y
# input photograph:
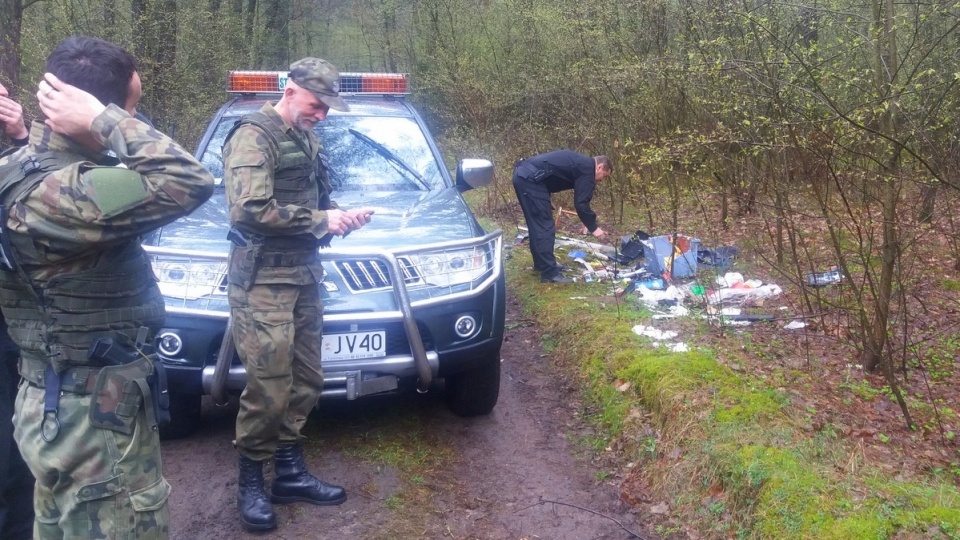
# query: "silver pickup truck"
{"type": "Point", "coordinates": [414, 298]}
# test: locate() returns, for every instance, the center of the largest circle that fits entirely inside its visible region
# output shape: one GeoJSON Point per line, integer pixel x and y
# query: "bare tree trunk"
{"type": "Point", "coordinates": [724, 201]}
{"type": "Point", "coordinates": [155, 22]}
{"type": "Point", "coordinates": [389, 11]}
{"type": "Point", "coordinates": [110, 13]}
{"type": "Point", "coordinates": [780, 197]}
{"type": "Point", "coordinates": [301, 39]}
{"type": "Point", "coordinates": [875, 352]}
{"type": "Point", "coordinates": [11, 13]}
{"type": "Point", "coordinates": [275, 48]}
{"type": "Point", "coordinates": [927, 207]}
{"type": "Point", "coordinates": [137, 9]}
{"type": "Point", "coordinates": [249, 16]}
{"type": "Point", "coordinates": [886, 68]}
{"type": "Point", "coordinates": [167, 30]}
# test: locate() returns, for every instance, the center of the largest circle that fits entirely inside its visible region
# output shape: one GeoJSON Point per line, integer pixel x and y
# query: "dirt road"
{"type": "Point", "coordinates": [414, 470]}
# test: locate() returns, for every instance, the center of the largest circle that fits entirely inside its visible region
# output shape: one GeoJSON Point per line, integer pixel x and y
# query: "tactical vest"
{"type": "Point", "coordinates": [297, 180]}
{"type": "Point", "coordinates": [113, 296]}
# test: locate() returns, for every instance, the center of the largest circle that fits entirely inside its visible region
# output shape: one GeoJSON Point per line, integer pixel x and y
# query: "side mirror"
{"type": "Point", "coordinates": [474, 173]}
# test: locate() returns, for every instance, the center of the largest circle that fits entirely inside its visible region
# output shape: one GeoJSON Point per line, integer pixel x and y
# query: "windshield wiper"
{"type": "Point", "coordinates": [390, 156]}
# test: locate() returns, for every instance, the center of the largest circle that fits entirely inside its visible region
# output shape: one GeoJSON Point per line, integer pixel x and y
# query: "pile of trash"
{"type": "Point", "coordinates": [673, 275]}
{"type": "Point", "coordinates": [664, 273]}
{"type": "Point", "coordinates": [728, 290]}
{"type": "Point", "coordinates": [734, 289]}
{"type": "Point", "coordinates": [642, 257]}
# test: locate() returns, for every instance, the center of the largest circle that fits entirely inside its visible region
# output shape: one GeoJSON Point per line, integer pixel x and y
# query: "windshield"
{"type": "Point", "coordinates": [356, 163]}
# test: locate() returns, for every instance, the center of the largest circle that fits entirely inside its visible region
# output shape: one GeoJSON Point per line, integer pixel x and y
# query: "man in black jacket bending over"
{"type": "Point", "coordinates": [535, 178]}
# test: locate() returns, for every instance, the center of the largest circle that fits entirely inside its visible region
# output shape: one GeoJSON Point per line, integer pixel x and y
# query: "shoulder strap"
{"type": "Point", "coordinates": [14, 172]}
{"type": "Point", "coordinates": [22, 174]}
{"type": "Point", "coordinates": [259, 120]}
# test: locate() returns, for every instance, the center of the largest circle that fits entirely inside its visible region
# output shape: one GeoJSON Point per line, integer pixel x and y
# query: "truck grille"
{"type": "Point", "coordinates": [373, 274]}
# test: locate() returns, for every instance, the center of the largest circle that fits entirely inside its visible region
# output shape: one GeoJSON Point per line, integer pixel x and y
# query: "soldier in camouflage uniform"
{"type": "Point", "coordinates": [79, 277]}
{"type": "Point", "coordinates": [16, 482]}
{"type": "Point", "coordinates": [280, 210]}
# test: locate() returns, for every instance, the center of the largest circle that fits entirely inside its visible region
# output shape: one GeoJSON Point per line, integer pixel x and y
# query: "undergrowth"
{"type": "Point", "coordinates": [733, 456]}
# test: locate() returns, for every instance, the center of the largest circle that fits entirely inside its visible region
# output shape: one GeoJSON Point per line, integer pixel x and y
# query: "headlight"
{"type": "Point", "coordinates": [169, 344]}
{"type": "Point", "coordinates": [190, 280]}
{"type": "Point", "coordinates": [449, 268]}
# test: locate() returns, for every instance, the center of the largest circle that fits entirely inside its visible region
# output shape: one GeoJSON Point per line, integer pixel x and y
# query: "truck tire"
{"type": "Point", "coordinates": [475, 392]}
{"type": "Point", "coordinates": [184, 416]}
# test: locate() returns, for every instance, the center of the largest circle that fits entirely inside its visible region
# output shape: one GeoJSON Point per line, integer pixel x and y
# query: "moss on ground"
{"type": "Point", "coordinates": [747, 454]}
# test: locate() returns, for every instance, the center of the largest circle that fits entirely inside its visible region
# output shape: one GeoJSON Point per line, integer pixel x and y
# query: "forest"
{"type": "Point", "coordinates": [814, 134]}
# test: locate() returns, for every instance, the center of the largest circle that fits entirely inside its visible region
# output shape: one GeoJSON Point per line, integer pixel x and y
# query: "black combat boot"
{"type": "Point", "coordinates": [294, 483]}
{"type": "Point", "coordinates": [255, 508]}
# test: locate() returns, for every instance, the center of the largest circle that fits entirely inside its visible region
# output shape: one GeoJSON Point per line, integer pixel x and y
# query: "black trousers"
{"type": "Point", "coordinates": [16, 481]}
{"type": "Point", "coordinates": [537, 212]}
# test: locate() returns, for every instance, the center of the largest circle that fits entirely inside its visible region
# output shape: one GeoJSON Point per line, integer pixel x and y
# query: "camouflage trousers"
{"type": "Point", "coordinates": [91, 482]}
{"type": "Point", "coordinates": [277, 330]}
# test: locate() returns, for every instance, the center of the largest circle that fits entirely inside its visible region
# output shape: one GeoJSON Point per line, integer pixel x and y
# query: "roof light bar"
{"type": "Point", "coordinates": [373, 83]}
{"type": "Point", "coordinates": [273, 82]}
{"type": "Point", "coordinates": [257, 82]}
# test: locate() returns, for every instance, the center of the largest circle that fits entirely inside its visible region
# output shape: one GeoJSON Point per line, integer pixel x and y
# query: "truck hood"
{"type": "Point", "coordinates": [401, 219]}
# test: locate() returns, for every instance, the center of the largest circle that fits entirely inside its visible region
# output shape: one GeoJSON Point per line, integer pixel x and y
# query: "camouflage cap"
{"type": "Point", "coordinates": [321, 78]}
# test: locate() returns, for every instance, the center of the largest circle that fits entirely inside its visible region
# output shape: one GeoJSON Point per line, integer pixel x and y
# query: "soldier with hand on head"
{"type": "Point", "coordinates": [79, 294]}
{"type": "Point", "coordinates": [16, 482]}
{"type": "Point", "coordinates": [280, 212]}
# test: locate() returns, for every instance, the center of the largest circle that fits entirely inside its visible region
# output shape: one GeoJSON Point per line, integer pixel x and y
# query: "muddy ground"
{"type": "Point", "coordinates": [414, 470]}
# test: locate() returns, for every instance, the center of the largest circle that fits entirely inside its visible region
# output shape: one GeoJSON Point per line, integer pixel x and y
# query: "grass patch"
{"type": "Point", "coordinates": [409, 462]}
{"type": "Point", "coordinates": [951, 285]}
{"type": "Point", "coordinates": [406, 451]}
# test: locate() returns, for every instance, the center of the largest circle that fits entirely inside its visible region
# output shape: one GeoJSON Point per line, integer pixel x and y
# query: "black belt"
{"type": "Point", "coordinates": [78, 380]}
{"type": "Point", "coordinates": [529, 172]}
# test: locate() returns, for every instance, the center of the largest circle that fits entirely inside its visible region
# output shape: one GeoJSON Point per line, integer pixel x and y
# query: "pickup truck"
{"type": "Point", "coordinates": [414, 300]}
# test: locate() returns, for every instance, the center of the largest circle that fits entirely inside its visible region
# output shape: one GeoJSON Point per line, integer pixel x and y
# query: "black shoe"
{"type": "Point", "coordinates": [294, 483]}
{"type": "Point", "coordinates": [556, 268]}
{"type": "Point", "coordinates": [256, 512]}
{"type": "Point", "coordinates": [557, 278]}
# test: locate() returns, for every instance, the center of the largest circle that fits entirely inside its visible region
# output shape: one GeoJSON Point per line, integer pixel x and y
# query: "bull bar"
{"type": "Point", "coordinates": [426, 363]}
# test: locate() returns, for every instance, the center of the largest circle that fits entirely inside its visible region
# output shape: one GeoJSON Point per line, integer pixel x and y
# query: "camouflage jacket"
{"type": "Point", "coordinates": [60, 214]}
{"type": "Point", "coordinates": [72, 222]}
{"type": "Point", "coordinates": [249, 161]}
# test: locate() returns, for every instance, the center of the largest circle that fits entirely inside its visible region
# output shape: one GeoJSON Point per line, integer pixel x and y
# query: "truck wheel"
{"type": "Point", "coordinates": [184, 416]}
{"type": "Point", "coordinates": [475, 392]}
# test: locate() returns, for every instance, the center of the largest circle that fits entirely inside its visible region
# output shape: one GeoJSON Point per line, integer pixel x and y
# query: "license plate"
{"type": "Point", "coordinates": [354, 345]}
